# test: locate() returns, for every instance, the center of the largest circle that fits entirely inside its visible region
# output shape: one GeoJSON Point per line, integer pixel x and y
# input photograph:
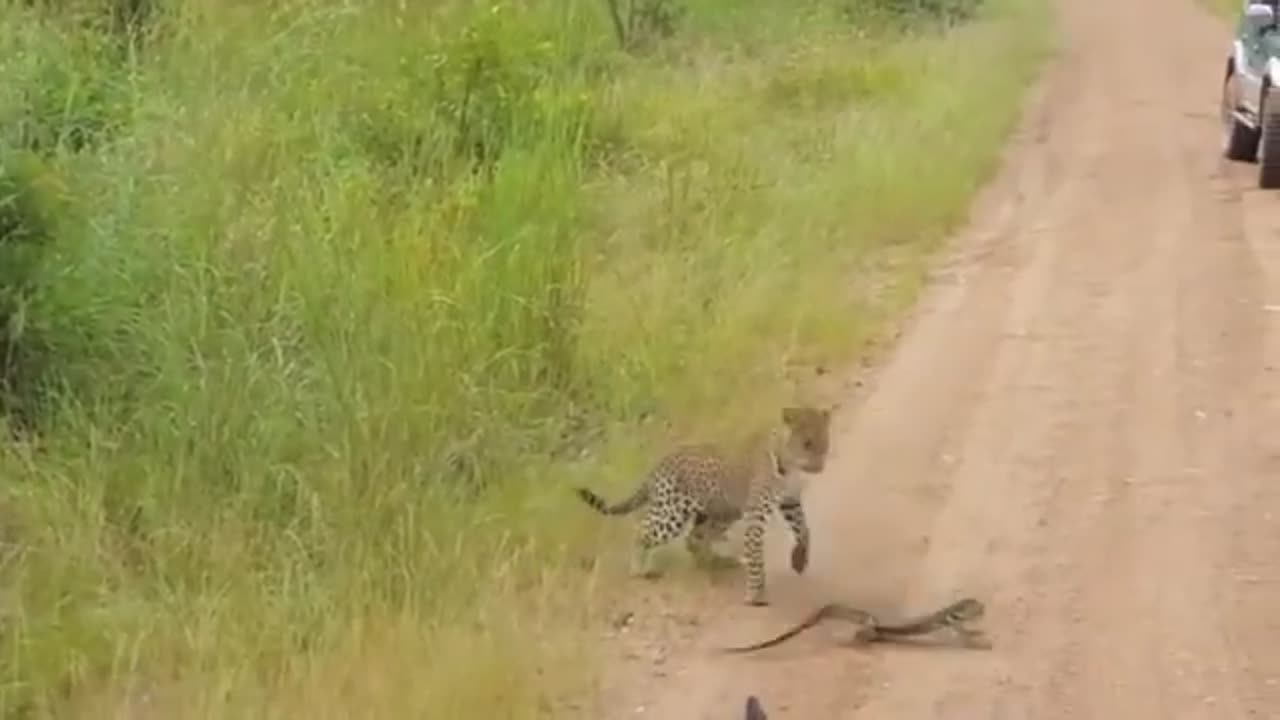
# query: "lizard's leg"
{"type": "Point", "coordinates": [971, 637]}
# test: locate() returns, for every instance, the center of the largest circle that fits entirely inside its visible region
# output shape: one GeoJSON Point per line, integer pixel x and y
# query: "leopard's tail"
{"type": "Point", "coordinates": [600, 505]}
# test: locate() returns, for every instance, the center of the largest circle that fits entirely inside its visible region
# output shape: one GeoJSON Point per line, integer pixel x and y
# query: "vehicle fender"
{"type": "Point", "coordinates": [1273, 72]}
{"type": "Point", "coordinates": [1237, 55]}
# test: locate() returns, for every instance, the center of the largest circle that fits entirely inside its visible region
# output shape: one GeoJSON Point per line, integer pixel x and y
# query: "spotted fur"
{"type": "Point", "coordinates": [703, 489]}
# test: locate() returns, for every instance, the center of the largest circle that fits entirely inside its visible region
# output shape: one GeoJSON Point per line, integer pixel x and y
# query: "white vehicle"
{"type": "Point", "coordinates": [1251, 92]}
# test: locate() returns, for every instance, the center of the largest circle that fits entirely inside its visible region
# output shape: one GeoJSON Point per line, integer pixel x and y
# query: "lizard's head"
{"type": "Point", "coordinates": [967, 609]}
{"type": "Point", "coordinates": [754, 711]}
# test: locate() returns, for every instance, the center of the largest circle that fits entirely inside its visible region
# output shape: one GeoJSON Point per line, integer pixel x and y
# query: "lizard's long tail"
{"type": "Point", "coordinates": [799, 628]}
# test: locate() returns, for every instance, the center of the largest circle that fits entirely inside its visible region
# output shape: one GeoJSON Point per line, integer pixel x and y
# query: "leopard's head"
{"type": "Point", "coordinates": [808, 437]}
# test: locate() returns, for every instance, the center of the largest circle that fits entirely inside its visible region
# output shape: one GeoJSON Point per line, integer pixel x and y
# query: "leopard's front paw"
{"type": "Point", "coordinates": [800, 557]}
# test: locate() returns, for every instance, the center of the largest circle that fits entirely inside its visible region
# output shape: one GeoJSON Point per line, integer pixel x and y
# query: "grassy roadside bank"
{"type": "Point", "coordinates": [1226, 9]}
{"type": "Point", "coordinates": [313, 310]}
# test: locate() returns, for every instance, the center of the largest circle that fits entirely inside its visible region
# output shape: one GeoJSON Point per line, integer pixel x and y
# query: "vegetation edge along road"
{"type": "Point", "coordinates": [314, 311]}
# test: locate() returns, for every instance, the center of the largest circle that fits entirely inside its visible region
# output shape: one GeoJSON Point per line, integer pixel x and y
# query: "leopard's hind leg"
{"type": "Point", "coordinates": [705, 533]}
{"type": "Point", "coordinates": [665, 521]}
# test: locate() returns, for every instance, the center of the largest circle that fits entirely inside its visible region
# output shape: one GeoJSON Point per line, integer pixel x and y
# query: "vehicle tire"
{"type": "Point", "coordinates": [1269, 140]}
{"type": "Point", "coordinates": [1239, 141]}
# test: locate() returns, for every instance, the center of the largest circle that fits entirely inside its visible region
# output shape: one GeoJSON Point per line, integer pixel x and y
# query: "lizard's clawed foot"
{"type": "Point", "coordinates": [975, 639]}
{"type": "Point", "coordinates": [865, 634]}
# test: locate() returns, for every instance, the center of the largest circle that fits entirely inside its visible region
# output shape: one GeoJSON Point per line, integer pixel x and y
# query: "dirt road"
{"type": "Point", "coordinates": [1081, 426]}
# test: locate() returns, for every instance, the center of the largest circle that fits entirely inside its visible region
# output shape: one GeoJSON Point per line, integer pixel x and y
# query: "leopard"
{"type": "Point", "coordinates": [706, 488]}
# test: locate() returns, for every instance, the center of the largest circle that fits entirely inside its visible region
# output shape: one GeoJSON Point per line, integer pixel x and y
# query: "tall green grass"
{"type": "Point", "coordinates": [1228, 9]}
{"type": "Point", "coordinates": [313, 310]}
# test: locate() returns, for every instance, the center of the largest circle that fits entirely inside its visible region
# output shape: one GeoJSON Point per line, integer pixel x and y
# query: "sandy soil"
{"type": "Point", "coordinates": [1079, 426]}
